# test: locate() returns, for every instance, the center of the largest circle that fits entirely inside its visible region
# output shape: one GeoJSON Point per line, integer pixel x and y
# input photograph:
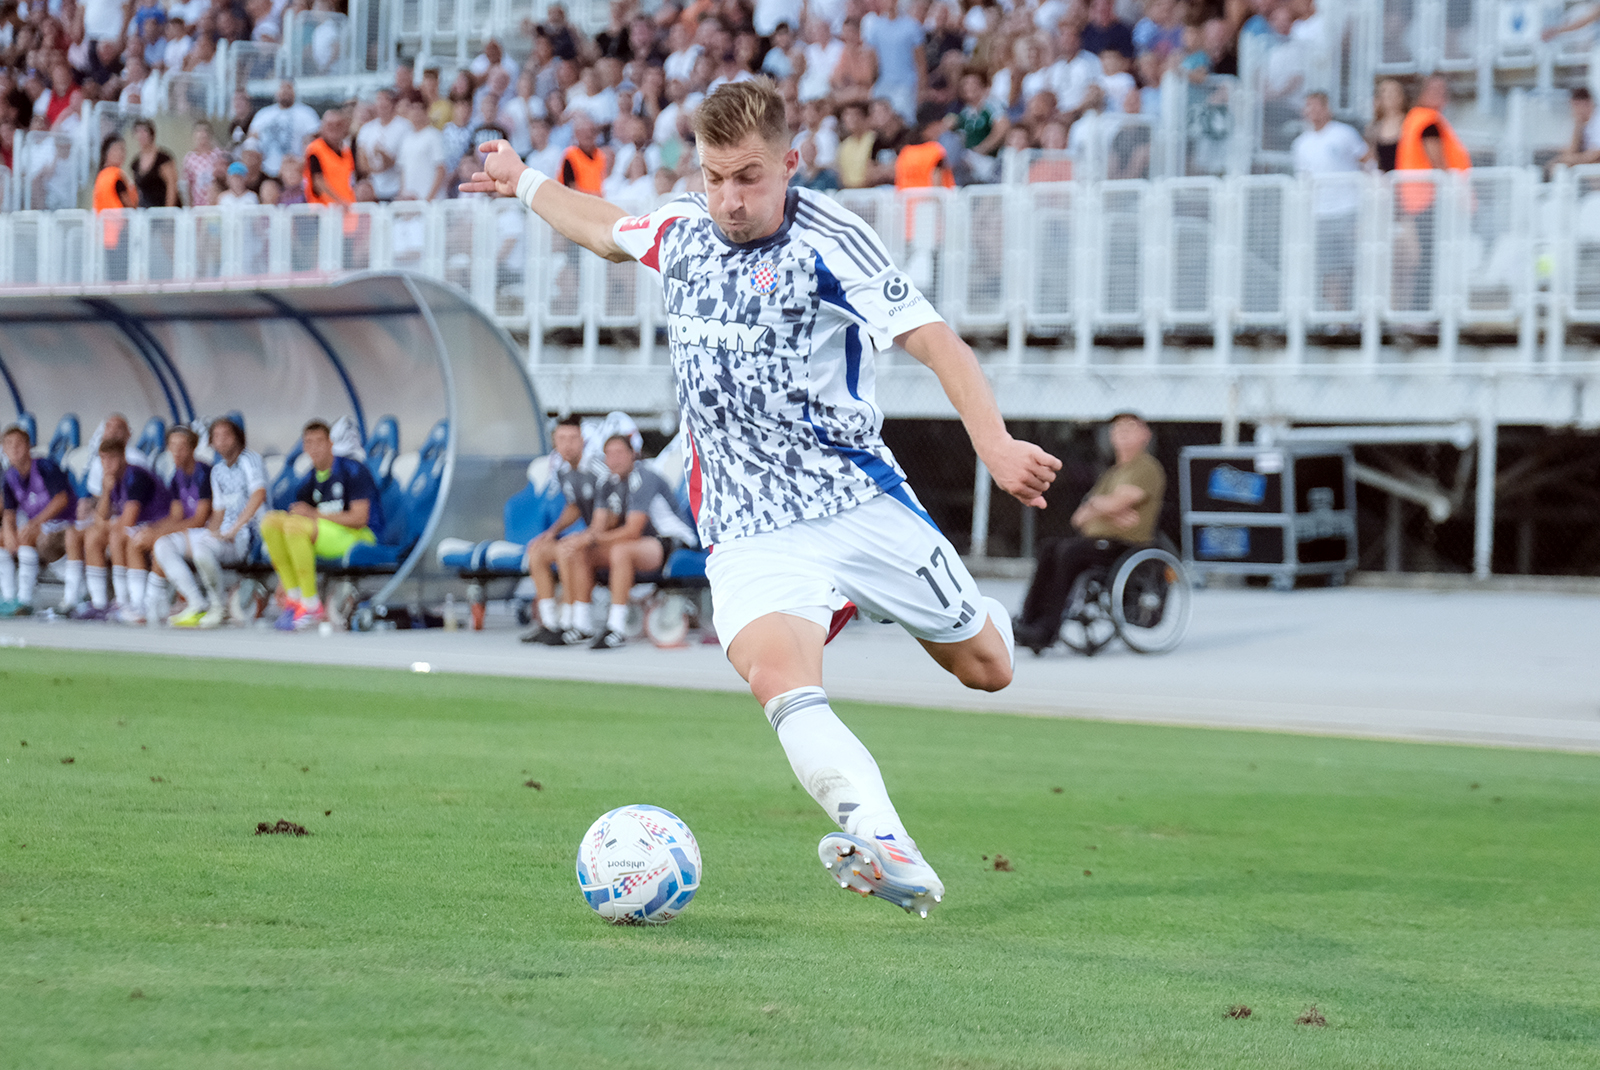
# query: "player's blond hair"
{"type": "Point", "coordinates": [737, 110]}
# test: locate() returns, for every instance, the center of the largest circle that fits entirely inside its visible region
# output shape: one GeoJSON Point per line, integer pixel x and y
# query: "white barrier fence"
{"type": "Point", "coordinates": [1192, 271]}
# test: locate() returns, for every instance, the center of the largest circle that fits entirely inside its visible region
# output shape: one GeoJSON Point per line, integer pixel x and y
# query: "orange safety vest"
{"type": "Point", "coordinates": [588, 172]}
{"type": "Point", "coordinates": [1409, 155]}
{"type": "Point", "coordinates": [337, 170]}
{"type": "Point", "coordinates": [107, 197]}
{"type": "Point", "coordinates": [915, 166]}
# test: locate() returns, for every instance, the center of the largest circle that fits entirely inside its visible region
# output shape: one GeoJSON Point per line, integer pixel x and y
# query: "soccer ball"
{"type": "Point", "coordinates": [638, 865]}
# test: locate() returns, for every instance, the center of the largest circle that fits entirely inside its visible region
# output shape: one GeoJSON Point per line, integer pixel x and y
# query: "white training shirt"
{"type": "Point", "coordinates": [772, 343]}
{"type": "Point", "coordinates": [232, 485]}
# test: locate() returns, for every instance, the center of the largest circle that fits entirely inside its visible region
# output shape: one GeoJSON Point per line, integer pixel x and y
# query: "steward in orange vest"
{"type": "Point", "coordinates": [1423, 124]}
{"type": "Point", "coordinates": [922, 165]}
{"type": "Point", "coordinates": [329, 158]}
{"type": "Point", "coordinates": [112, 190]}
{"type": "Point", "coordinates": [583, 171]}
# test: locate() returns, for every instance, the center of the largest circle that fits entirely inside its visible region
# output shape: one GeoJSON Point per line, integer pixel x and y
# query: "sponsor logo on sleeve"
{"type": "Point", "coordinates": [633, 222]}
{"type": "Point", "coordinates": [896, 289]}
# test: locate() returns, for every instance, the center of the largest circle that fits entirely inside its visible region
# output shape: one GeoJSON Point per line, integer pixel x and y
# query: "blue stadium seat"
{"type": "Point", "coordinates": [66, 438]}
{"type": "Point", "coordinates": [281, 493]}
{"type": "Point", "coordinates": [27, 422]}
{"type": "Point", "coordinates": [383, 446]}
{"type": "Point", "coordinates": [153, 439]}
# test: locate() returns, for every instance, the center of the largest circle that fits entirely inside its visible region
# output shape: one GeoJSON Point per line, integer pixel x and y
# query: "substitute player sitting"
{"type": "Point", "coordinates": [778, 301]}
{"type": "Point", "coordinates": [190, 488]}
{"type": "Point", "coordinates": [238, 491]}
{"type": "Point", "coordinates": [335, 509]}
{"type": "Point", "coordinates": [577, 481]}
{"type": "Point", "coordinates": [636, 527]}
{"type": "Point", "coordinates": [36, 527]}
{"type": "Point", "coordinates": [133, 499]}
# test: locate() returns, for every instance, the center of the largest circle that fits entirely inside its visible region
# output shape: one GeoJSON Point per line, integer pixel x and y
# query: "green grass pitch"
{"type": "Point", "coordinates": [1437, 904]}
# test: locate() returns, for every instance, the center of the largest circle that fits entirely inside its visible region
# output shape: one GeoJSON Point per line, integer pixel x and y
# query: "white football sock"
{"type": "Point", "coordinates": [565, 617]}
{"type": "Point", "coordinates": [119, 584]}
{"type": "Point", "coordinates": [75, 585]}
{"type": "Point", "coordinates": [312, 603]}
{"type": "Point", "coordinates": [583, 617]}
{"type": "Point", "coordinates": [617, 618]}
{"type": "Point", "coordinates": [210, 570]}
{"type": "Point", "coordinates": [8, 575]}
{"type": "Point", "coordinates": [27, 572]}
{"type": "Point", "coordinates": [1002, 623]}
{"type": "Point", "coordinates": [137, 579]}
{"type": "Point", "coordinates": [549, 613]}
{"type": "Point", "coordinates": [832, 764]}
{"type": "Point", "coordinates": [97, 585]}
{"type": "Point", "coordinates": [157, 606]}
{"type": "Point", "coordinates": [169, 553]}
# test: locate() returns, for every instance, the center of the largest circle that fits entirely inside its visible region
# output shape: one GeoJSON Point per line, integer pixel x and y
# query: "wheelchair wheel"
{"type": "Point", "coordinates": [1088, 627]}
{"type": "Point", "coordinates": [666, 619]}
{"type": "Point", "coordinates": [247, 602]}
{"type": "Point", "coordinates": [1150, 601]}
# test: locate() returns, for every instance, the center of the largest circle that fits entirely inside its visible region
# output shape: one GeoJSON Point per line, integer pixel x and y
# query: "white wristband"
{"type": "Point", "coordinates": [529, 183]}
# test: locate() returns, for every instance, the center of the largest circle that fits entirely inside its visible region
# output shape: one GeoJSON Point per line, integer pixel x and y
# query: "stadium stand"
{"type": "Point", "coordinates": [1126, 225]}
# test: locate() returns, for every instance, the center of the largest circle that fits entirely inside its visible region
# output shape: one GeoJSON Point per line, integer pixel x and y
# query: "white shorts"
{"type": "Point", "coordinates": [227, 553]}
{"type": "Point", "coordinates": [49, 527]}
{"type": "Point", "coordinates": [887, 556]}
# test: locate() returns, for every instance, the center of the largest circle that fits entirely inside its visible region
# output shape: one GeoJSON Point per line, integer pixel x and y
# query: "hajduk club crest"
{"type": "Point", "coordinates": [764, 277]}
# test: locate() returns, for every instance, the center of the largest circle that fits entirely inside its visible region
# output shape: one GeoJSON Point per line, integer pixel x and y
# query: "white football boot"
{"type": "Point", "coordinates": [885, 866]}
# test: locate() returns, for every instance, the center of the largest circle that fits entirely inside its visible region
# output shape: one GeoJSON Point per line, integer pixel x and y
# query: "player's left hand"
{"type": "Point", "coordinates": [1022, 469]}
{"type": "Point", "coordinates": [502, 167]}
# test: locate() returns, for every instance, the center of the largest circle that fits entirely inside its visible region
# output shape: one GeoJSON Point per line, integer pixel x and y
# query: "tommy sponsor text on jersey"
{"type": "Point", "coordinates": [773, 345]}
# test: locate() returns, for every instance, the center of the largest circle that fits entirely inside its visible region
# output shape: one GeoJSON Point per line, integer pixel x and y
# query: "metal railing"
{"type": "Point", "coordinates": [1197, 270]}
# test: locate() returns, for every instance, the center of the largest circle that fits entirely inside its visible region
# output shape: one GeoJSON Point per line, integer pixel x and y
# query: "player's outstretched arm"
{"type": "Point", "coordinates": [578, 217]}
{"type": "Point", "coordinates": [1022, 469]}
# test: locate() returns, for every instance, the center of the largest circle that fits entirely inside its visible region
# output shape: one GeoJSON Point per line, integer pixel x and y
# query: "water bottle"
{"type": "Point", "coordinates": [449, 612]}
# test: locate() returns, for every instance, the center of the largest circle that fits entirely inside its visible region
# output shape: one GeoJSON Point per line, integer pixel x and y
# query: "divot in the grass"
{"type": "Point", "coordinates": [282, 828]}
{"type": "Point", "coordinates": [1238, 1010]}
{"type": "Point", "coordinates": [1312, 1016]}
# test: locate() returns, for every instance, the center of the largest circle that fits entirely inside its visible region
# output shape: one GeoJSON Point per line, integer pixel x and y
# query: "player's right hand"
{"type": "Point", "coordinates": [1022, 470]}
{"type": "Point", "coordinates": [502, 167]}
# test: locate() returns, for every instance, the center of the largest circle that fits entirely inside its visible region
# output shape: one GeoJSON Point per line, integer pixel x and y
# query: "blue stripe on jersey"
{"type": "Point", "coordinates": [903, 496]}
{"type": "Point", "coordinates": [880, 471]}
{"type": "Point", "coordinates": [829, 290]}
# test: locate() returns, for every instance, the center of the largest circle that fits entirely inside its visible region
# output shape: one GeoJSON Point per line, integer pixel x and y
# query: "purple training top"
{"type": "Point", "coordinates": [140, 485]}
{"type": "Point", "coordinates": [30, 494]}
{"type": "Point", "coordinates": [191, 489]}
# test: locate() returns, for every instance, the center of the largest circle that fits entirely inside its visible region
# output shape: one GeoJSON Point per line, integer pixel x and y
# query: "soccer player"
{"type": "Point", "coordinates": [132, 500]}
{"type": "Point", "coordinates": [238, 491]}
{"type": "Point", "coordinates": [777, 302]}
{"type": "Point", "coordinates": [636, 527]}
{"type": "Point", "coordinates": [335, 508]}
{"type": "Point", "coordinates": [36, 526]}
{"type": "Point", "coordinates": [578, 481]}
{"type": "Point", "coordinates": [190, 488]}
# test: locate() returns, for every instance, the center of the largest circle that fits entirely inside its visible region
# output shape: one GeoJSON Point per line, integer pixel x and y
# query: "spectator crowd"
{"type": "Point", "coordinates": [865, 81]}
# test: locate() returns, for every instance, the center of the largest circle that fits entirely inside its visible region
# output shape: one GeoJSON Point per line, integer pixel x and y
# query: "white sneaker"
{"type": "Point", "coordinates": [886, 867]}
{"type": "Point", "coordinates": [125, 615]}
{"type": "Point", "coordinates": [214, 617]}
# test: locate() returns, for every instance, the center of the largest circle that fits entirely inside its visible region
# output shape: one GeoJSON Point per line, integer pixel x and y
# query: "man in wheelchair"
{"type": "Point", "coordinates": [1118, 514]}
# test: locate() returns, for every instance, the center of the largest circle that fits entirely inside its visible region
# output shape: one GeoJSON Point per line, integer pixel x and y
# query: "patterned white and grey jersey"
{"type": "Point", "coordinates": [232, 485]}
{"type": "Point", "coordinates": [773, 344]}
